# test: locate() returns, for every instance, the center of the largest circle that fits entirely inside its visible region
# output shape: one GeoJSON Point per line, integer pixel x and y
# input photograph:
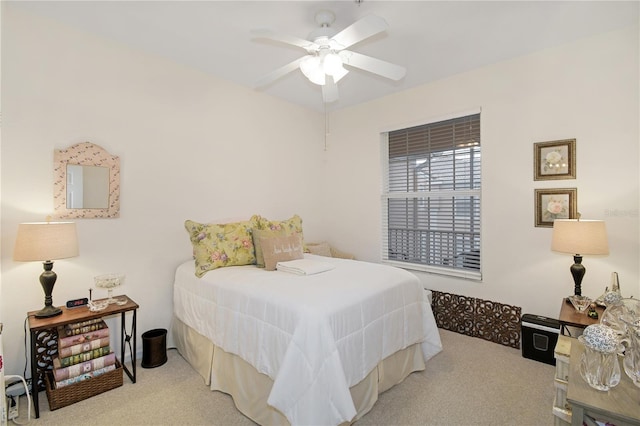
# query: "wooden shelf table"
{"type": "Point", "coordinates": [44, 343]}
{"type": "Point", "coordinates": [569, 317]}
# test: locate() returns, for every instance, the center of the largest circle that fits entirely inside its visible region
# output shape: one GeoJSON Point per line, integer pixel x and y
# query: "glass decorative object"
{"type": "Point", "coordinates": [109, 281]}
{"type": "Point", "coordinates": [615, 282]}
{"type": "Point", "coordinates": [97, 306]}
{"type": "Point", "coordinates": [612, 294]}
{"type": "Point", "coordinates": [580, 303]}
{"type": "Point", "coordinates": [599, 365]}
{"type": "Point", "coordinates": [631, 361]}
{"type": "Point", "coordinates": [618, 315]}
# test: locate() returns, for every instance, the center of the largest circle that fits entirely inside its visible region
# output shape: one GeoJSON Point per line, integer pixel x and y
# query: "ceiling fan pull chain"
{"type": "Point", "coordinates": [326, 126]}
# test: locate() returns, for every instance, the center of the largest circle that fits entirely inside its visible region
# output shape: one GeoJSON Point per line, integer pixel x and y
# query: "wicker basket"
{"type": "Point", "coordinates": [71, 394]}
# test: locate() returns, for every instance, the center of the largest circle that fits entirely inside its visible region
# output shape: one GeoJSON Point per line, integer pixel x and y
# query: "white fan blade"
{"type": "Point", "coordinates": [280, 72]}
{"type": "Point", "coordinates": [359, 30]}
{"type": "Point", "coordinates": [373, 65]}
{"type": "Point", "coordinates": [295, 41]}
{"type": "Point", "coordinates": [338, 76]}
{"type": "Point", "coordinates": [329, 90]}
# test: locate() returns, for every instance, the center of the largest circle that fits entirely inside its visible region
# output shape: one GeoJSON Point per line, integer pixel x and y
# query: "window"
{"type": "Point", "coordinates": [431, 197]}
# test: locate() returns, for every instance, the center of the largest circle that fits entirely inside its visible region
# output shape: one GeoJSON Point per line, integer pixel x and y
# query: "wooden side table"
{"type": "Point", "coordinates": [44, 343]}
{"type": "Point", "coordinates": [569, 317]}
{"type": "Point", "coordinates": [619, 405]}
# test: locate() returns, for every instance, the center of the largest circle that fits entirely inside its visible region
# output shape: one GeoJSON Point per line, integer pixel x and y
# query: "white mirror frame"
{"type": "Point", "coordinates": [85, 154]}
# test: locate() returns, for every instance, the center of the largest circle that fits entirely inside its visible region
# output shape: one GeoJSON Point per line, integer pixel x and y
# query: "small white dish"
{"type": "Point", "coordinates": [98, 306]}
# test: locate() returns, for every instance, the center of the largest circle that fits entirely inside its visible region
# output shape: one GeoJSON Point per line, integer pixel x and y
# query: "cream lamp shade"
{"type": "Point", "coordinates": [46, 241]}
{"type": "Point", "coordinates": [579, 237]}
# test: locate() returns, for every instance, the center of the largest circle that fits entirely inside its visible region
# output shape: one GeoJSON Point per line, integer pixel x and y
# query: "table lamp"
{"type": "Point", "coordinates": [45, 241]}
{"type": "Point", "coordinates": [579, 237]}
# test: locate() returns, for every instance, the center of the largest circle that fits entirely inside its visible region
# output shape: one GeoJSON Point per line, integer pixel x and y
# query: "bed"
{"type": "Point", "coordinates": [303, 349]}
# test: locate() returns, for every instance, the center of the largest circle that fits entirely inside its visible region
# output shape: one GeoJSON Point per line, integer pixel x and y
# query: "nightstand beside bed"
{"type": "Point", "coordinates": [44, 346]}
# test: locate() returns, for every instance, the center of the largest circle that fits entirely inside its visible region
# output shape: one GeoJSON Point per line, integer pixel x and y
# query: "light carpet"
{"type": "Point", "coordinates": [471, 382]}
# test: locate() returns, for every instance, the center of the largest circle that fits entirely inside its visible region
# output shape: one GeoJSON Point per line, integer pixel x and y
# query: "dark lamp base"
{"type": "Point", "coordinates": [48, 311]}
{"type": "Point", "coordinates": [48, 280]}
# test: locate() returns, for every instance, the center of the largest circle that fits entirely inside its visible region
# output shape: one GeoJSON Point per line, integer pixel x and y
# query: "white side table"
{"type": "Point", "coordinates": [620, 405]}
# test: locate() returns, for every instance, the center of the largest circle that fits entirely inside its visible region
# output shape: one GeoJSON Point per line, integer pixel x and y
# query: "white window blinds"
{"type": "Point", "coordinates": [431, 197]}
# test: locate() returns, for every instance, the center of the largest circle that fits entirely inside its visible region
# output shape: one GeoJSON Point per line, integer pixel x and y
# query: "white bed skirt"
{"type": "Point", "coordinates": [250, 389]}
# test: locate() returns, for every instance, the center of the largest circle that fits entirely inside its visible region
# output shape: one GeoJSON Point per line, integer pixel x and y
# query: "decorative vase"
{"type": "Point", "coordinates": [599, 365]}
{"type": "Point", "coordinates": [615, 283]}
{"type": "Point", "coordinates": [613, 296]}
{"type": "Point", "coordinates": [631, 361]}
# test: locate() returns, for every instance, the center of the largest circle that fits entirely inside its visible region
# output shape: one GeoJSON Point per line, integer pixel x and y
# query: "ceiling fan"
{"type": "Point", "coordinates": [327, 54]}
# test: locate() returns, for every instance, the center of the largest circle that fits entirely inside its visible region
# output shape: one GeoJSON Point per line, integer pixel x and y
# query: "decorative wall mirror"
{"type": "Point", "coordinates": [86, 182]}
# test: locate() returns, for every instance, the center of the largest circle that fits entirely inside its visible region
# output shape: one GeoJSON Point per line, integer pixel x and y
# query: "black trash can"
{"type": "Point", "coordinates": [154, 348]}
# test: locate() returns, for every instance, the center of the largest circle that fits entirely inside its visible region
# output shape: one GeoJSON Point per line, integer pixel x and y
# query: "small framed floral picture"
{"type": "Point", "coordinates": [554, 160]}
{"type": "Point", "coordinates": [552, 204]}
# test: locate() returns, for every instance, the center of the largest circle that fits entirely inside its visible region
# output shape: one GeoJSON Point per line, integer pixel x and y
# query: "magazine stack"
{"type": "Point", "coordinates": [83, 352]}
{"type": "Point", "coordinates": [85, 364]}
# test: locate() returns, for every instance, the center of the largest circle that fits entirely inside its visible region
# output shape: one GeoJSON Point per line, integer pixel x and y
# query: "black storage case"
{"type": "Point", "coordinates": [539, 337]}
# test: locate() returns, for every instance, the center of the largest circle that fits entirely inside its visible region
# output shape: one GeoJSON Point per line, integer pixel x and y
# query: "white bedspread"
{"type": "Point", "coordinates": [316, 335]}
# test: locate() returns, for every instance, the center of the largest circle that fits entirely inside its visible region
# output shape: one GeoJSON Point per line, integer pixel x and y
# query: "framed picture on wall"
{"type": "Point", "coordinates": [554, 160]}
{"type": "Point", "coordinates": [552, 204]}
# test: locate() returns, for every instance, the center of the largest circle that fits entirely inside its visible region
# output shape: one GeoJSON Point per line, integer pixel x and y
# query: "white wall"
{"type": "Point", "coordinates": [191, 147]}
{"type": "Point", "coordinates": [586, 90]}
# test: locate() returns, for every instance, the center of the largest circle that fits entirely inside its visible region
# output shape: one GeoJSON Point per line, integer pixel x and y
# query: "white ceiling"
{"type": "Point", "coordinates": [432, 39]}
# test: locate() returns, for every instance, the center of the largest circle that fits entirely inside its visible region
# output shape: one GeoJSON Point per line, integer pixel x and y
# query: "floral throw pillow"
{"type": "Point", "coordinates": [219, 245]}
{"type": "Point", "coordinates": [291, 226]}
{"type": "Point", "coordinates": [268, 228]}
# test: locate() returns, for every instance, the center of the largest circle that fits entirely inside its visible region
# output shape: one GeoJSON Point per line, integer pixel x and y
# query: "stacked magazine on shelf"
{"type": "Point", "coordinates": [83, 352]}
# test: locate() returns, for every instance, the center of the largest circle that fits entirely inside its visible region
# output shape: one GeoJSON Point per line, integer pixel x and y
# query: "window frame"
{"type": "Point", "coordinates": [387, 194]}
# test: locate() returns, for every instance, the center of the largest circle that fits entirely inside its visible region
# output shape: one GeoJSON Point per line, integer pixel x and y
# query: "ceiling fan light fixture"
{"type": "Point", "coordinates": [308, 64]}
{"type": "Point", "coordinates": [332, 64]}
{"type": "Point", "coordinates": [317, 76]}
{"type": "Point", "coordinates": [326, 53]}
{"type": "Point", "coordinates": [311, 67]}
